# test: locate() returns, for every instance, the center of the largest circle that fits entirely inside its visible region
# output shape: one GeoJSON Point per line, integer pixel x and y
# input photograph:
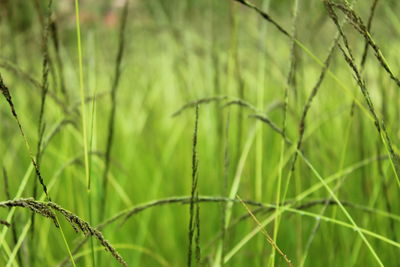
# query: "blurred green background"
{"type": "Point", "coordinates": [177, 51]}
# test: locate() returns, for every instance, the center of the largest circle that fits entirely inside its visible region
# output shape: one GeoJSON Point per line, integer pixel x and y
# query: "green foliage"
{"type": "Point", "coordinates": [235, 132]}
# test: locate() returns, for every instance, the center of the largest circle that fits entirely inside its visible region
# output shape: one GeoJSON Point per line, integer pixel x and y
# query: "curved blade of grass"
{"type": "Point", "coordinates": [322, 183]}
{"type": "Point", "coordinates": [344, 210]}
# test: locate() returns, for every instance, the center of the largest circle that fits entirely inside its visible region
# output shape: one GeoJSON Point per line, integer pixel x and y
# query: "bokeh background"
{"type": "Point", "coordinates": [175, 52]}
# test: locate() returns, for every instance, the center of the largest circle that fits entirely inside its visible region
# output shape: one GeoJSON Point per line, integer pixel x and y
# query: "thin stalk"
{"type": "Point", "coordinates": [82, 95]}
{"type": "Point", "coordinates": [289, 85]}
{"type": "Point", "coordinates": [92, 131]}
{"type": "Point", "coordinates": [258, 186]}
{"type": "Point", "coordinates": [41, 124]}
{"type": "Point", "coordinates": [266, 234]}
{"type": "Point", "coordinates": [194, 221]}
{"type": "Point", "coordinates": [83, 116]}
{"type": "Point", "coordinates": [114, 90]}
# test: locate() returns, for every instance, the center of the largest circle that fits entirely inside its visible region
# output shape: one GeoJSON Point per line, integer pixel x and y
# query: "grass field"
{"type": "Point", "coordinates": [199, 133]}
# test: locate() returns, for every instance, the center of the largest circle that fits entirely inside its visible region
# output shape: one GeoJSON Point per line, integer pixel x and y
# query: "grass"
{"type": "Point", "coordinates": [129, 132]}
